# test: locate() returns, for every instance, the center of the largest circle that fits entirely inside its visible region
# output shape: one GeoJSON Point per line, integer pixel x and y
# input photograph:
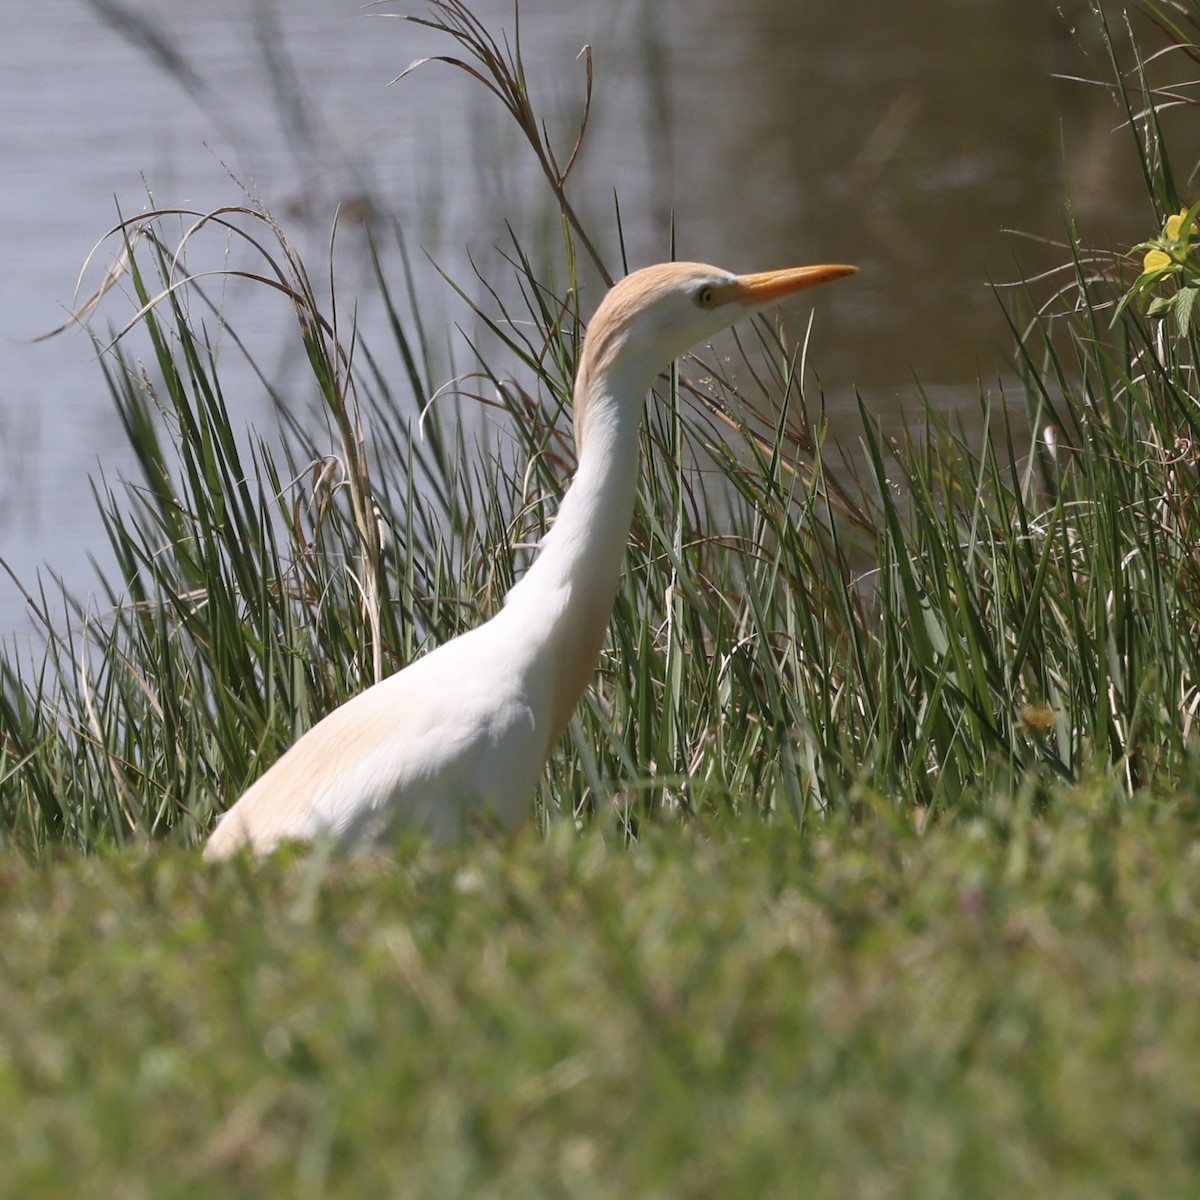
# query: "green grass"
{"type": "Point", "coordinates": [868, 867]}
{"type": "Point", "coordinates": [1003, 1007]}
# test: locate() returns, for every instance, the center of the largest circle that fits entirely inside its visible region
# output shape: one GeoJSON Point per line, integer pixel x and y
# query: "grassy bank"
{"type": "Point", "coordinates": [1001, 1008]}
{"type": "Point", "coordinates": [922, 621]}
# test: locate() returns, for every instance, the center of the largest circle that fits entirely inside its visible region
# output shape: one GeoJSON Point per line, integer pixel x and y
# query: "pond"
{"type": "Point", "coordinates": [904, 138]}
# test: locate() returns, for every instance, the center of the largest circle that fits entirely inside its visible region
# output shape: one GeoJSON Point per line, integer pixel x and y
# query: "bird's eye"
{"type": "Point", "coordinates": [706, 297]}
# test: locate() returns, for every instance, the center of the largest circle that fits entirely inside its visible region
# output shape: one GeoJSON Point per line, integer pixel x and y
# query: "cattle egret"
{"type": "Point", "coordinates": [461, 734]}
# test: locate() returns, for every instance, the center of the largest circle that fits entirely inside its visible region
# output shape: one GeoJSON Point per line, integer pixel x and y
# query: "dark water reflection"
{"type": "Point", "coordinates": [904, 138]}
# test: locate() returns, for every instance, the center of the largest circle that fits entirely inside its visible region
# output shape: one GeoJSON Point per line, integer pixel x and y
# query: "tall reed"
{"type": "Point", "coordinates": [918, 630]}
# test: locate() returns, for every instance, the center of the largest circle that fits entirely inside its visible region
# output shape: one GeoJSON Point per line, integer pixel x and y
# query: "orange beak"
{"type": "Point", "coordinates": [767, 286]}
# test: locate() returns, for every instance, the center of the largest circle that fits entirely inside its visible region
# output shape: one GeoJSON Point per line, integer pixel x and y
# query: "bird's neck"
{"type": "Point", "coordinates": [568, 592]}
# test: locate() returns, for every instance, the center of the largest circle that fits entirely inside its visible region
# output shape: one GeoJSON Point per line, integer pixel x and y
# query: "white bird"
{"type": "Point", "coordinates": [462, 734]}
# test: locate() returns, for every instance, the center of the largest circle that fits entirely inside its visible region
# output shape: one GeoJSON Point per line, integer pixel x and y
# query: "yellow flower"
{"type": "Point", "coordinates": [1155, 260]}
{"type": "Point", "coordinates": [1174, 225]}
{"type": "Point", "coordinates": [1171, 246]}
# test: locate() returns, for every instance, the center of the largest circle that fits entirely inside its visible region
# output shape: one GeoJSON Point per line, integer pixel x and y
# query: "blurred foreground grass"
{"type": "Point", "coordinates": [1005, 1008]}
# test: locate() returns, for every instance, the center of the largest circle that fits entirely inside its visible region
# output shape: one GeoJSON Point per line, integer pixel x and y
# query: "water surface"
{"type": "Point", "coordinates": [904, 138]}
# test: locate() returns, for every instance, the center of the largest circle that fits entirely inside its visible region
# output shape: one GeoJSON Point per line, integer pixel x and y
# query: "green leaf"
{"type": "Point", "coordinates": [1184, 303]}
{"type": "Point", "coordinates": [1160, 306]}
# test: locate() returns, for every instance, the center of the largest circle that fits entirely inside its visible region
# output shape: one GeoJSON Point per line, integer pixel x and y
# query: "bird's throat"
{"type": "Point", "coordinates": [573, 581]}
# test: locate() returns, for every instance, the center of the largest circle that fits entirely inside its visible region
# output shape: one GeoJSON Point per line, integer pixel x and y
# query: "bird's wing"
{"type": "Point", "coordinates": [451, 736]}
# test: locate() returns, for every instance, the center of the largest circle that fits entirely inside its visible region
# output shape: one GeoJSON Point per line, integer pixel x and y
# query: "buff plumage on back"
{"type": "Point", "coordinates": [460, 736]}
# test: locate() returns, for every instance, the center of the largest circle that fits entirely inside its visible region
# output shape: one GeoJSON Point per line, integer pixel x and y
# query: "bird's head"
{"type": "Point", "coordinates": [652, 316]}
